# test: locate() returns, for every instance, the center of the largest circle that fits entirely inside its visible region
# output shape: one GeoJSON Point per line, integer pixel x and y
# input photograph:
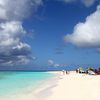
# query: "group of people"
{"type": "Point", "coordinates": [65, 72]}
{"type": "Point", "coordinates": [90, 71]}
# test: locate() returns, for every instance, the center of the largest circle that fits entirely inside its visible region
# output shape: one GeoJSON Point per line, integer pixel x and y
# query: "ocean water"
{"type": "Point", "coordinates": [19, 82]}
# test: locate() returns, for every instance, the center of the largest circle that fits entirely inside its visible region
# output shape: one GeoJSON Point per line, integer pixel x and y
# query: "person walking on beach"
{"type": "Point", "coordinates": [77, 71]}
{"type": "Point", "coordinates": [66, 72]}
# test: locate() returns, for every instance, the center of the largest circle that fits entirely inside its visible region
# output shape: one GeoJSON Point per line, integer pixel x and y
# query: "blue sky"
{"type": "Point", "coordinates": [50, 33]}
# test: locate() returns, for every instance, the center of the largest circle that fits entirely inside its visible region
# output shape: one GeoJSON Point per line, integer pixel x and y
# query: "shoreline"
{"type": "Point", "coordinates": [33, 93]}
{"type": "Point", "coordinates": [72, 86]}
{"type": "Point", "coordinates": [42, 93]}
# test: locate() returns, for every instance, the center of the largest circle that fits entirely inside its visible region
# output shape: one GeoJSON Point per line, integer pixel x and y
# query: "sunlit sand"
{"type": "Point", "coordinates": [76, 87]}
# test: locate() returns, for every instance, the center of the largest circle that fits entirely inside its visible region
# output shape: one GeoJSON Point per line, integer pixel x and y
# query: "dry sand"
{"type": "Point", "coordinates": [76, 87]}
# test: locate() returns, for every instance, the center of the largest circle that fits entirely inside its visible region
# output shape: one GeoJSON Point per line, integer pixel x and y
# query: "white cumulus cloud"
{"type": "Point", "coordinates": [86, 34]}
{"type": "Point", "coordinates": [13, 51]}
{"type": "Point", "coordinates": [56, 65]}
{"type": "Point", "coordinates": [86, 3]}
{"type": "Point", "coordinates": [17, 9]}
{"type": "Point", "coordinates": [50, 62]}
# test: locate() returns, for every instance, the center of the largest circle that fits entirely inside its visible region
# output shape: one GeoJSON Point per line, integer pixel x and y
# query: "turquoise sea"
{"type": "Point", "coordinates": [19, 82]}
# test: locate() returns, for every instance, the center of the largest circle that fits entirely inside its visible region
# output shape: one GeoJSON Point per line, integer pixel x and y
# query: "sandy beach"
{"type": "Point", "coordinates": [76, 87]}
{"type": "Point", "coordinates": [72, 86]}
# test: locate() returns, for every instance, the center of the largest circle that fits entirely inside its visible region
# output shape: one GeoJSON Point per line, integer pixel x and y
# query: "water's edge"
{"type": "Point", "coordinates": [45, 83]}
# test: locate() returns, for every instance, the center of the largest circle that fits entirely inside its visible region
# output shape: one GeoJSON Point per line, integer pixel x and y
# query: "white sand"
{"type": "Point", "coordinates": [76, 87]}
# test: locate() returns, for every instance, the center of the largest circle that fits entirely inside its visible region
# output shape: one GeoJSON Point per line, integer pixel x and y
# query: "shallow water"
{"type": "Point", "coordinates": [19, 82]}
